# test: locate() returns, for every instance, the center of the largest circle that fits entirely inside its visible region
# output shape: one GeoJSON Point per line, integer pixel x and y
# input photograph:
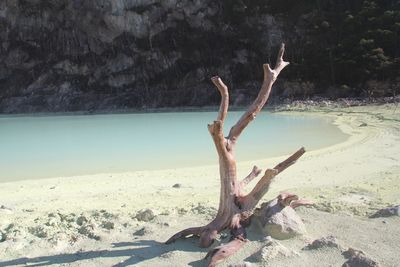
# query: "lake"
{"type": "Point", "coordinates": [33, 147]}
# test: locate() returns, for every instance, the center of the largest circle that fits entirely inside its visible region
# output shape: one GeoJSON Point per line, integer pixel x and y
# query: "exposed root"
{"type": "Point", "coordinates": [196, 231]}
{"type": "Point", "coordinates": [237, 241]}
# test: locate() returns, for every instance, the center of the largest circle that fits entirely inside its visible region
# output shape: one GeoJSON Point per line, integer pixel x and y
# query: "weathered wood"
{"type": "Point", "coordinates": [253, 174]}
{"type": "Point", "coordinates": [235, 206]}
{"type": "Point", "coordinates": [270, 76]}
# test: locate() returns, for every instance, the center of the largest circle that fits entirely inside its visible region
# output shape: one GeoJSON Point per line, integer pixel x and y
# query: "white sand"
{"type": "Point", "coordinates": [58, 221]}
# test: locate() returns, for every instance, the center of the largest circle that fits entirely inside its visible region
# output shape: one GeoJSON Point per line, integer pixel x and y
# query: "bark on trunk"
{"type": "Point", "coordinates": [235, 206]}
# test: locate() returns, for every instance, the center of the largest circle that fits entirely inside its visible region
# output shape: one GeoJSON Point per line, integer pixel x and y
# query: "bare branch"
{"type": "Point", "coordinates": [223, 89]}
{"type": "Point", "coordinates": [262, 187]}
{"type": "Point", "coordinates": [270, 76]}
{"type": "Point", "coordinates": [290, 160]}
{"type": "Point", "coordinates": [280, 63]}
{"type": "Point", "coordinates": [253, 174]}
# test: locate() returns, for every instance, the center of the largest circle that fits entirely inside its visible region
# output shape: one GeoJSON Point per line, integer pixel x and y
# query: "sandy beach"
{"type": "Point", "coordinates": [98, 220]}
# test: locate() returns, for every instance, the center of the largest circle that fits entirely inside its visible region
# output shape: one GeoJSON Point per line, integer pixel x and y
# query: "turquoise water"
{"type": "Point", "coordinates": [53, 146]}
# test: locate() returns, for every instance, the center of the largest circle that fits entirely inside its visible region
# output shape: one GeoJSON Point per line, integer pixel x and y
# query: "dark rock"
{"type": "Point", "coordinates": [357, 258]}
{"type": "Point", "coordinates": [324, 242]}
{"type": "Point", "coordinates": [363, 124]}
{"type": "Point", "coordinates": [177, 186]}
{"type": "Point", "coordinates": [387, 212]}
{"type": "Point", "coordinates": [142, 231]}
{"type": "Point", "coordinates": [107, 225]}
{"type": "Point", "coordinates": [3, 236]}
{"type": "Point", "coordinates": [5, 208]}
{"type": "Point", "coordinates": [145, 215]}
{"type": "Point", "coordinates": [81, 220]}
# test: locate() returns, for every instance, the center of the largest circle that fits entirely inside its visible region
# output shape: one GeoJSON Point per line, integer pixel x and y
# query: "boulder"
{"type": "Point", "coordinates": [272, 250]}
{"type": "Point", "coordinates": [357, 258]}
{"type": "Point", "coordinates": [279, 222]}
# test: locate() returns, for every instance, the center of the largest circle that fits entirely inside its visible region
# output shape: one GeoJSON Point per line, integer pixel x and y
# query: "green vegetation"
{"type": "Point", "coordinates": [353, 46]}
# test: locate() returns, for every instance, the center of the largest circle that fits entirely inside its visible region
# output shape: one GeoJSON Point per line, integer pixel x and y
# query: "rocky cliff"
{"type": "Point", "coordinates": [69, 55]}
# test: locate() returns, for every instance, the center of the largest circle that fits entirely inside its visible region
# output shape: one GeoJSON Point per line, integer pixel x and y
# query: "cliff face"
{"type": "Point", "coordinates": [68, 55]}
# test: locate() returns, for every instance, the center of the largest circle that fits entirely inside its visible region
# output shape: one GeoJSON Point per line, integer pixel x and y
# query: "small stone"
{"type": "Point", "coordinates": [53, 187]}
{"type": "Point", "coordinates": [177, 186]}
{"type": "Point", "coordinates": [182, 211]}
{"type": "Point", "coordinates": [145, 215]}
{"type": "Point", "coordinates": [142, 231]}
{"type": "Point", "coordinates": [107, 225]}
{"type": "Point", "coordinates": [81, 220]}
{"type": "Point", "coordinates": [3, 237]}
{"type": "Point", "coordinates": [363, 124]}
{"type": "Point", "coordinates": [324, 242]}
{"type": "Point", "coordinates": [28, 210]}
{"type": "Point", "coordinates": [357, 258]}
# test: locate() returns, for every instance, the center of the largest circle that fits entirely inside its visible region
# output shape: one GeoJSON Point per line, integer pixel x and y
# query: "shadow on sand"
{"type": "Point", "coordinates": [136, 252]}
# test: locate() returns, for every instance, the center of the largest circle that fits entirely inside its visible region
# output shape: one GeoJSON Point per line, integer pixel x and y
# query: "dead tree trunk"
{"type": "Point", "coordinates": [235, 206]}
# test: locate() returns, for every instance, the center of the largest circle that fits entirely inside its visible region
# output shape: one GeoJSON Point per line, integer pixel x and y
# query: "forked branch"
{"type": "Point", "coordinates": [261, 188]}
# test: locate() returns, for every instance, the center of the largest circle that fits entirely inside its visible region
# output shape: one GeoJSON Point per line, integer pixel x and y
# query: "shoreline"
{"type": "Point", "coordinates": [276, 106]}
{"type": "Point", "coordinates": [347, 181]}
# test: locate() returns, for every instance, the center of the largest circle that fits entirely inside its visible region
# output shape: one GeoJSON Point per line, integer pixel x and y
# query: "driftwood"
{"type": "Point", "coordinates": [236, 206]}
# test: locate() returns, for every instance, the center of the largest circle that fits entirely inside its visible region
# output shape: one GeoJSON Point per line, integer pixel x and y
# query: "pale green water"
{"type": "Point", "coordinates": [53, 146]}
